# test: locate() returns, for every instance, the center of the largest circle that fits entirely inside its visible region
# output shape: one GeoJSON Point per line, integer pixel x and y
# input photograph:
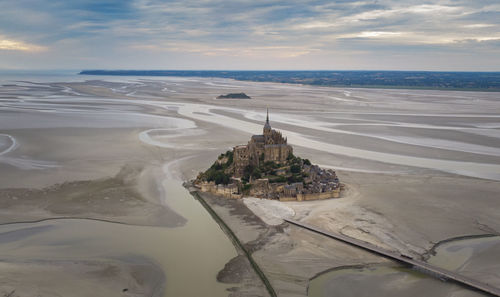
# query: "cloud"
{"type": "Point", "coordinates": [16, 45]}
{"type": "Point", "coordinates": [377, 34]}
{"type": "Point", "coordinates": [281, 52]}
{"type": "Point", "coordinates": [476, 26]}
{"type": "Point", "coordinates": [110, 32]}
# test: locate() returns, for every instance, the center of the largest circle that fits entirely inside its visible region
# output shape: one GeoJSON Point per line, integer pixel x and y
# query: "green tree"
{"type": "Point", "coordinates": [246, 189]}
{"type": "Point", "coordinates": [230, 157]}
{"type": "Point", "coordinates": [295, 168]}
{"type": "Point", "coordinates": [221, 178]}
{"type": "Point", "coordinates": [256, 173]}
{"type": "Point", "coordinates": [295, 178]}
{"type": "Point", "coordinates": [279, 179]}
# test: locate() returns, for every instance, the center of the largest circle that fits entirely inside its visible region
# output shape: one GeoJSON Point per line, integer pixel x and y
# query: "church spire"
{"type": "Point", "coordinates": [267, 126]}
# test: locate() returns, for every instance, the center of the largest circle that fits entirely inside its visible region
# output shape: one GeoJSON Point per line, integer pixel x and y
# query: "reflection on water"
{"type": "Point", "coordinates": [192, 254]}
{"type": "Point", "coordinates": [394, 280]}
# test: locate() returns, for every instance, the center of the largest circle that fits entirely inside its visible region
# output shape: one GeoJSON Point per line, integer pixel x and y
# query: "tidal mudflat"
{"type": "Point", "coordinates": [466, 255]}
{"type": "Point", "coordinates": [92, 171]}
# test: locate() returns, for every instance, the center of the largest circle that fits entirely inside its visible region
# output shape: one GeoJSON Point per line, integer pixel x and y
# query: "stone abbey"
{"type": "Point", "coordinates": [270, 146]}
{"type": "Point", "coordinates": [267, 168]}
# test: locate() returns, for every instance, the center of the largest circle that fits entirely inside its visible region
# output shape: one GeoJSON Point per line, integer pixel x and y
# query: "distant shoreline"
{"type": "Point", "coordinates": [419, 80]}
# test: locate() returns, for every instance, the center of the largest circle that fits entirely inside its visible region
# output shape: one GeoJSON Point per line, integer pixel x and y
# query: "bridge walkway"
{"type": "Point", "coordinates": [440, 272]}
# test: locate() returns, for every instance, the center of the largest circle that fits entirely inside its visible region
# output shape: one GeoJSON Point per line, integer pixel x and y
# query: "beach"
{"type": "Point", "coordinates": [109, 156]}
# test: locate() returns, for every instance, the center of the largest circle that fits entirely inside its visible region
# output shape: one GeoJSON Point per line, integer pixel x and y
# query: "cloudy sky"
{"type": "Point", "coordinates": [250, 34]}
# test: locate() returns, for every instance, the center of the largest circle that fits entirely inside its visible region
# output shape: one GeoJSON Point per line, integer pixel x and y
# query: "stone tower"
{"type": "Point", "coordinates": [270, 146]}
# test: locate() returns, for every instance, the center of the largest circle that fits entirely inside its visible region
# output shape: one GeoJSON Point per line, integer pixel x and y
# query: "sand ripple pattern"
{"type": "Point", "coordinates": [22, 163]}
{"type": "Point", "coordinates": [472, 169]}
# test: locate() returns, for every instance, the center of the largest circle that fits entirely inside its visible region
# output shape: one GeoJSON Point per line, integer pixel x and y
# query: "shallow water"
{"type": "Point", "coordinates": [394, 280]}
{"type": "Point", "coordinates": [191, 253]}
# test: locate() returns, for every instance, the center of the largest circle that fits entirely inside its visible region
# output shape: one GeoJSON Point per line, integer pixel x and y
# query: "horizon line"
{"type": "Point", "coordinates": [286, 70]}
{"type": "Point", "coordinates": [260, 70]}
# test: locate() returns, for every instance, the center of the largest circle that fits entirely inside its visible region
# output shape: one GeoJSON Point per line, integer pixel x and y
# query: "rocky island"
{"type": "Point", "coordinates": [234, 96]}
{"type": "Point", "coordinates": [267, 168]}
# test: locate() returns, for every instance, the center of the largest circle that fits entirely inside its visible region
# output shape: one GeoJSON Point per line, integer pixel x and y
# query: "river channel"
{"type": "Point", "coordinates": [195, 251]}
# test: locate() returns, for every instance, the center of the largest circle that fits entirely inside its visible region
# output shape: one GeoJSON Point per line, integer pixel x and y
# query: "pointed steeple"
{"type": "Point", "coordinates": [267, 126]}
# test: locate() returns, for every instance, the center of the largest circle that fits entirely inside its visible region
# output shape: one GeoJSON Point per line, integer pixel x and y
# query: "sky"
{"type": "Point", "coordinates": [462, 35]}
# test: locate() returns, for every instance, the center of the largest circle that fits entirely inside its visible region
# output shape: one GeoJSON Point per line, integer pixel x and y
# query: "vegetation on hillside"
{"type": "Point", "coordinates": [290, 172]}
{"type": "Point", "coordinates": [220, 171]}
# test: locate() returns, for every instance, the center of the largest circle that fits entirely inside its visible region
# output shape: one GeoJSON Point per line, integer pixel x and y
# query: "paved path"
{"type": "Point", "coordinates": [439, 272]}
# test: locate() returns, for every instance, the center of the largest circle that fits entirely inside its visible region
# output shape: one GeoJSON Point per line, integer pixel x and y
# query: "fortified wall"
{"type": "Point", "coordinates": [227, 191]}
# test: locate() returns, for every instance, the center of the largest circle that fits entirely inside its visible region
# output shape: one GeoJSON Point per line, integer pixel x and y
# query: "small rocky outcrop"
{"type": "Point", "coordinates": [234, 96]}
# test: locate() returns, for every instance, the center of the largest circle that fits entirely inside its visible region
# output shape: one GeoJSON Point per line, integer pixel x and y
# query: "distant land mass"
{"type": "Point", "coordinates": [234, 96]}
{"type": "Point", "coordinates": [463, 81]}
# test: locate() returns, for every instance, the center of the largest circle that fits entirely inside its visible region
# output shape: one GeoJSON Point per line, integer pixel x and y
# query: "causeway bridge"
{"type": "Point", "coordinates": [420, 265]}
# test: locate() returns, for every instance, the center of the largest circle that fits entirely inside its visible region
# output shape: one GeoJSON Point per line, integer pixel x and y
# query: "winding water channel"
{"type": "Point", "coordinates": [195, 251]}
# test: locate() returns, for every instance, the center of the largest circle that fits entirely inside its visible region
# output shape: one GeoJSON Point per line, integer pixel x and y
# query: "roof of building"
{"type": "Point", "coordinates": [258, 138]}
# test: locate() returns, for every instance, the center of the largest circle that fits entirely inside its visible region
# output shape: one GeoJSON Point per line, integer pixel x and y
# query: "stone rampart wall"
{"type": "Point", "coordinates": [319, 196]}
{"type": "Point", "coordinates": [221, 190]}
{"type": "Point", "coordinates": [260, 190]}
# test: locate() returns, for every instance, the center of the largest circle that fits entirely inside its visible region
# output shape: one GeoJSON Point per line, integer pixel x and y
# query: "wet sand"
{"type": "Point", "coordinates": [455, 254]}
{"type": "Point", "coordinates": [113, 199]}
{"type": "Point", "coordinates": [421, 166]}
{"type": "Point", "coordinates": [80, 278]}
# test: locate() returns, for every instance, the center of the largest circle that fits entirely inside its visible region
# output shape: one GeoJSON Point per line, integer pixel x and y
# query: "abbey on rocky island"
{"type": "Point", "coordinates": [267, 168]}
